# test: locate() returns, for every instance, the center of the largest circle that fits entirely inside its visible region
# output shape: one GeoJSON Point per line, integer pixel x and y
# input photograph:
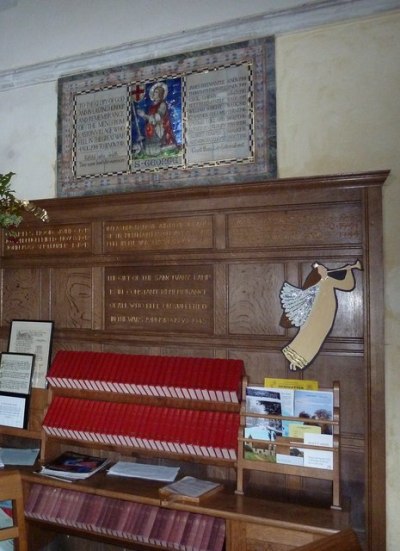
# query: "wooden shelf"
{"type": "Point", "coordinates": [263, 520]}
{"type": "Point", "coordinates": [333, 474]}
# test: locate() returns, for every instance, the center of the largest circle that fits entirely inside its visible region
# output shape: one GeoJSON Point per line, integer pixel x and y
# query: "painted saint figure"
{"type": "Point", "coordinates": [313, 309]}
{"type": "Point", "coordinates": [159, 133]}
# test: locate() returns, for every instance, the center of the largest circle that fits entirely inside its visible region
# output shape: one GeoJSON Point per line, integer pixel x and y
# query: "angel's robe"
{"type": "Point", "coordinates": [306, 344]}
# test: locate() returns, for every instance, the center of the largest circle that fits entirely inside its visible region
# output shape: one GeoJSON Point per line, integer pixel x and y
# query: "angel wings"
{"type": "Point", "coordinates": [297, 303]}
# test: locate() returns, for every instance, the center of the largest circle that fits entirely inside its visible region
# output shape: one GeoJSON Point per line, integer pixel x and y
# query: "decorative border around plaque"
{"type": "Point", "coordinates": [193, 119]}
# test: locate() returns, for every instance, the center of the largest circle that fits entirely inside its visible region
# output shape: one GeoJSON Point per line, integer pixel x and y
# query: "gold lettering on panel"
{"type": "Point", "coordinates": [292, 227]}
{"type": "Point", "coordinates": [160, 298]}
{"type": "Point", "coordinates": [69, 238]}
{"type": "Point", "coordinates": [191, 232]}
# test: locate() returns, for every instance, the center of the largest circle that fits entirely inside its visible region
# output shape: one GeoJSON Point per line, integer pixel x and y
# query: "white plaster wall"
{"type": "Point", "coordinates": [338, 111]}
{"type": "Point", "coordinates": [28, 139]}
{"type": "Point", "coordinates": [75, 26]}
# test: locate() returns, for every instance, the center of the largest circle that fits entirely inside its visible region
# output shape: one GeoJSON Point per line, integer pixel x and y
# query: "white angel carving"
{"type": "Point", "coordinates": [312, 308]}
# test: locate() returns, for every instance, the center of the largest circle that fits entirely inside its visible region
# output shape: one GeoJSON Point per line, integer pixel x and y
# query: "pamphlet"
{"type": "Point", "coordinates": [17, 456]}
{"type": "Point", "coordinates": [315, 405]}
{"type": "Point", "coordinates": [306, 384]}
{"type": "Point", "coordinates": [293, 453]}
{"type": "Point", "coordinates": [143, 470]}
{"type": "Point", "coordinates": [264, 402]}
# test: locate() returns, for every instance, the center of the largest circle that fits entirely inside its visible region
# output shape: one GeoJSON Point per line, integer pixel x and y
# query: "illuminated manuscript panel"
{"type": "Point", "coordinates": [68, 238]}
{"type": "Point", "coordinates": [162, 298]}
{"type": "Point", "coordinates": [194, 232]}
{"type": "Point", "coordinates": [294, 227]}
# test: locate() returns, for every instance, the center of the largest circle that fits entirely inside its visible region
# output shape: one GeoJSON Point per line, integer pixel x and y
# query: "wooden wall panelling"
{"type": "Point", "coordinates": [198, 271]}
{"type": "Point", "coordinates": [374, 360]}
{"type": "Point", "coordinates": [72, 297]}
{"type": "Point", "coordinates": [21, 299]}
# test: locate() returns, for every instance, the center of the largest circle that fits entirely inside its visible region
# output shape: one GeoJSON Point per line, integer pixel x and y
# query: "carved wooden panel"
{"type": "Point", "coordinates": [292, 227]}
{"type": "Point", "coordinates": [71, 297]}
{"type": "Point", "coordinates": [21, 294]}
{"type": "Point", "coordinates": [253, 309]}
{"type": "Point", "coordinates": [198, 272]}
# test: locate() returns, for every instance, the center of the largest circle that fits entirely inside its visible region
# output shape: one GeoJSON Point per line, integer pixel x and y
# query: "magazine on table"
{"type": "Point", "coordinates": [74, 466]}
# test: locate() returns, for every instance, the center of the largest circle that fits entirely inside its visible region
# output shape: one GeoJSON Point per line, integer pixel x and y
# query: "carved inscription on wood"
{"type": "Point", "coordinates": [68, 238]}
{"type": "Point", "coordinates": [292, 227]}
{"type": "Point", "coordinates": [195, 232]}
{"type": "Point", "coordinates": [162, 298]}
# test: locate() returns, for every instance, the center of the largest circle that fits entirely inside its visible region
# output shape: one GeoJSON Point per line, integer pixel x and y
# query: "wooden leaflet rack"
{"type": "Point", "coordinates": [293, 470]}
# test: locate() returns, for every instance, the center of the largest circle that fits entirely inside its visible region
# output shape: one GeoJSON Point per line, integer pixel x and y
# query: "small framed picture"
{"type": "Point", "coordinates": [14, 410]}
{"type": "Point", "coordinates": [33, 337]}
{"type": "Point", "coordinates": [16, 372]}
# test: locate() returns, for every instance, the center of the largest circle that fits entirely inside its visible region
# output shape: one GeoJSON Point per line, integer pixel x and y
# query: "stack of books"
{"type": "Point", "coordinates": [173, 430]}
{"type": "Point", "coordinates": [210, 379]}
{"type": "Point", "coordinates": [74, 466]}
{"type": "Point", "coordinates": [136, 522]}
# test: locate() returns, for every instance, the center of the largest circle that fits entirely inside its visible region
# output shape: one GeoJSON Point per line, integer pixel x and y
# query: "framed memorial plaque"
{"type": "Point", "coordinates": [33, 337]}
{"type": "Point", "coordinates": [16, 372]}
{"type": "Point", "coordinates": [200, 118]}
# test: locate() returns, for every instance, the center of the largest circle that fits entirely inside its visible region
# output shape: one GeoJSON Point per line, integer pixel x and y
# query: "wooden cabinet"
{"type": "Point", "coordinates": [197, 272]}
{"type": "Point", "coordinates": [250, 523]}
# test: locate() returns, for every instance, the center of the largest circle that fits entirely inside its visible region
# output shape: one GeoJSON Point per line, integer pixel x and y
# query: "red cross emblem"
{"type": "Point", "coordinates": [138, 93]}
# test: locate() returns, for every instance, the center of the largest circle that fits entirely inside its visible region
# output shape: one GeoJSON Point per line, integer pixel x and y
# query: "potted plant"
{"type": "Point", "coordinates": [12, 210]}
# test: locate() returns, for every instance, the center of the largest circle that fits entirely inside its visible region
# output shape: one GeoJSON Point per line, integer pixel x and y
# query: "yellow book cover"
{"type": "Point", "coordinates": [305, 384]}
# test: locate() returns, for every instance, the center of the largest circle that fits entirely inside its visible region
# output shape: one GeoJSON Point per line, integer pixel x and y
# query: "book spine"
{"type": "Point", "coordinates": [167, 528]}
{"type": "Point", "coordinates": [32, 500]}
{"type": "Point", "coordinates": [179, 528]}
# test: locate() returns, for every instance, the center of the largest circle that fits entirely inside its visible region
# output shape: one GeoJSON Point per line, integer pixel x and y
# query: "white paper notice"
{"type": "Point", "coordinates": [313, 439]}
{"type": "Point", "coordinates": [12, 411]}
{"type": "Point", "coordinates": [318, 459]}
{"type": "Point", "coordinates": [296, 460]}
